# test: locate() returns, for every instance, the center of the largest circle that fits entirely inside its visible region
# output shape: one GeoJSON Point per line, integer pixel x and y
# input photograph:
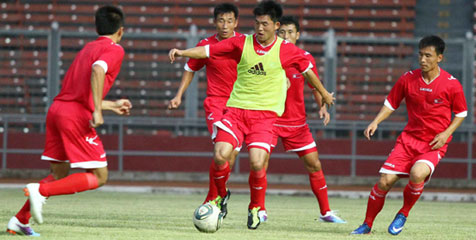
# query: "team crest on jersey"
{"type": "Point", "coordinates": [257, 69]}
{"type": "Point", "coordinates": [438, 101]}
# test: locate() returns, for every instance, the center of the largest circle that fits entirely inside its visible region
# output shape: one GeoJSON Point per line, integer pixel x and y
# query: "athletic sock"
{"type": "Point", "coordinates": [411, 194]}
{"type": "Point", "coordinates": [212, 188]}
{"type": "Point", "coordinates": [319, 188]}
{"type": "Point", "coordinates": [374, 204]}
{"type": "Point", "coordinates": [24, 214]}
{"type": "Point", "coordinates": [258, 185]}
{"type": "Point", "coordinates": [221, 174]}
{"type": "Point", "coordinates": [77, 182]}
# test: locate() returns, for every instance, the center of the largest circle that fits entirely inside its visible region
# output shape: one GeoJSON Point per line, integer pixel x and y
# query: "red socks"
{"type": "Point", "coordinates": [411, 194]}
{"type": "Point", "coordinates": [221, 175]}
{"type": "Point", "coordinates": [375, 204]}
{"type": "Point", "coordinates": [212, 188]}
{"type": "Point", "coordinates": [319, 188]}
{"type": "Point", "coordinates": [77, 182]}
{"type": "Point", "coordinates": [24, 214]}
{"type": "Point", "coordinates": [258, 185]}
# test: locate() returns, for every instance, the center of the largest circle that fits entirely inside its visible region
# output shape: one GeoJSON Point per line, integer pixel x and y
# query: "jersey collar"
{"type": "Point", "coordinates": [439, 72]}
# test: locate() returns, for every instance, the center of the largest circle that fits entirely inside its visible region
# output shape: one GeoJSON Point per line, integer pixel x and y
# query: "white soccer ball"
{"type": "Point", "coordinates": [207, 218]}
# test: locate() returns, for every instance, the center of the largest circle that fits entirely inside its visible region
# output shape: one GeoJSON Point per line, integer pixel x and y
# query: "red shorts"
{"type": "Point", "coordinates": [214, 110]}
{"type": "Point", "coordinates": [70, 139]}
{"type": "Point", "coordinates": [409, 150]}
{"type": "Point", "coordinates": [295, 138]}
{"type": "Point", "coordinates": [253, 126]}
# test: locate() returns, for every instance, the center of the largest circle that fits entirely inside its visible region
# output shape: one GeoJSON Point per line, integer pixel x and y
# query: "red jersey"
{"type": "Point", "coordinates": [295, 110]}
{"type": "Point", "coordinates": [232, 48]}
{"type": "Point", "coordinates": [77, 82]}
{"type": "Point", "coordinates": [429, 106]}
{"type": "Point", "coordinates": [221, 74]}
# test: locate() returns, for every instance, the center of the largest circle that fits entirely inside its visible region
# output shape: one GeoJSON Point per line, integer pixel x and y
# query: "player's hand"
{"type": "Point", "coordinates": [323, 114]}
{"type": "Point", "coordinates": [122, 107]}
{"type": "Point", "coordinates": [175, 103]}
{"type": "Point", "coordinates": [439, 140]}
{"type": "Point", "coordinates": [370, 130]}
{"type": "Point", "coordinates": [97, 119]}
{"type": "Point", "coordinates": [174, 53]}
{"type": "Point", "coordinates": [328, 98]}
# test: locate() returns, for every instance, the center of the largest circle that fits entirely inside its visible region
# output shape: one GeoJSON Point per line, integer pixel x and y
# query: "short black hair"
{"type": "Point", "coordinates": [225, 8]}
{"type": "Point", "coordinates": [108, 20]}
{"type": "Point", "coordinates": [270, 8]}
{"type": "Point", "coordinates": [288, 20]}
{"type": "Point", "coordinates": [434, 41]}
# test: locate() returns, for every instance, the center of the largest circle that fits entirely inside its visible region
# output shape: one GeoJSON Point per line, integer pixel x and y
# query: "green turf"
{"type": "Point", "coordinates": [101, 215]}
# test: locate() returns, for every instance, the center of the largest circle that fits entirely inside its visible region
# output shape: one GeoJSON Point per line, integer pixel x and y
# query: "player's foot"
{"type": "Point", "coordinates": [222, 203]}
{"type": "Point", "coordinates": [32, 191]}
{"type": "Point", "coordinates": [331, 217]}
{"type": "Point", "coordinates": [253, 219]}
{"type": "Point", "coordinates": [263, 216]}
{"type": "Point", "coordinates": [15, 227]}
{"type": "Point", "coordinates": [362, 229]}
{"type": "Point", "coordinates": [396, 226]}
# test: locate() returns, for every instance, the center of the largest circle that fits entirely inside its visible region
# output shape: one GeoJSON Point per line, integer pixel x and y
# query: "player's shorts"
{"type": "Point", "coordinates": [254, 127]}
{"type": "Point", "coordinates": [408, 151]}
{"type": "Point", "coordinates": [70, 139]}
{"type": "Point", "coordinates": [296, 139]}
{"type": "Point", "coordinates": [214, 110]}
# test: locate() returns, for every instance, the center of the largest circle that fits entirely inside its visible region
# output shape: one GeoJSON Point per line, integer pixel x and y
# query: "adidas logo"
{"type": "Point", "coordinates": [257, 69]}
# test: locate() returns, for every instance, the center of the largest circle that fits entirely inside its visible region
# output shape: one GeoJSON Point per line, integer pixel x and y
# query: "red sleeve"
{"type": "Point", "coordinates": [458, 104]}
{"type": "Point", "coordinates": [292, 57]}
{"type": "Point", "coordinates": [197, 64]}
{"type": "Point", "coordinates": [314, 67]}
{"type": "Point", "coordinates": [230, 48]}
{"type": "Point", "coordinates": [397, 93]}
{"type": "Point", "coordinates": [113, 56]}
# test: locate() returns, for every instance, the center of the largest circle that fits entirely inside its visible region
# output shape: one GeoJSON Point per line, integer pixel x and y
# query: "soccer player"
{"type": "Point", "coordinates": [293, 130]}
{"type": "Point", "coordinates": [221, 74]}
{"type": "Point", "coordinates": [257, 98]}
{"type": "Point", "coordinates": [71, 140]}
{"type": "Point", "coordinates": [431, 95]}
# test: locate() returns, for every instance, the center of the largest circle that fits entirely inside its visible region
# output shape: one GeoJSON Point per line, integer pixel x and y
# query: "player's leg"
{"type": "Point", "coordinates": [258, 184]}
{"type": "Point", "coordinates": [376, 201]}
{"type": "Point", "coordinates": [412, 192]}
{"type": "Point", "coordinates": [19, 224]}
{"type": "Point", "coordinates": [214, 109]}
{"type": "Point", "coordinates": [310, 157]}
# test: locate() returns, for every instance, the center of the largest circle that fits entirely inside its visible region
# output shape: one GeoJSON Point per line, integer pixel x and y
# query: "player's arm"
{"type": "Point", "coordinates": [187, 78]}
{"type": "Point", "coordinates": [196, 53]}
{"type": "Point", "coordinates": [441, 138]}
{"type": "Point", "coordinates": [97, 84]}
{"type": "Point", "coordinates": [120, 107]}
{"type": "Point", "coordinates": [323, 114]}
{"type": "Point", "coordinates": [384, 113]}
{"type": "Point", "coordinates": [327, 98]}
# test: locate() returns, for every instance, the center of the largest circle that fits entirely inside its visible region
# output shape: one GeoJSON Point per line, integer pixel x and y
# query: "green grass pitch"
{"type": "Point", "coordinates": [103, 215]}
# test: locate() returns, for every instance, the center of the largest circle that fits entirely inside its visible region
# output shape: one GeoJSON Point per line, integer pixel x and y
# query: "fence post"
{"type": "Point", "coordinates": [5, 139]}
{"type": "Point", "coordinates": [353, 161]}
{"type": "Point", "coordinates": [330, 66]}
{"type": "Point", "coordinates": [468, 75]}
{"type": "Point", "coordinates": [54, 46]}
{"type": "Point", "coordinates": [191, 95]}
{"type": "Point", "coordinates": [120, 150]}
{"type": "Point", "coordinates": [470, 152]}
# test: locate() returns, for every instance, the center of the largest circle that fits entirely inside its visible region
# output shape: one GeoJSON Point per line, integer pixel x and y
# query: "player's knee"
{"type": "Point", "coordinates": [418, 177]}
{"type": "Point", "coordinates": [220, 158]}
{"type": "Point", "coordinates": [384, 184]}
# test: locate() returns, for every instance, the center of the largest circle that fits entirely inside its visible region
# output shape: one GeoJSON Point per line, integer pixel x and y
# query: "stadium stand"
{"type": "Point", "coordinates": [150, 82]}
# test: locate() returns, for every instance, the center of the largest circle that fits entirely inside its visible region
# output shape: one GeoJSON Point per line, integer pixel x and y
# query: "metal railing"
{"type": "Point", "coordinates": [191, 120]}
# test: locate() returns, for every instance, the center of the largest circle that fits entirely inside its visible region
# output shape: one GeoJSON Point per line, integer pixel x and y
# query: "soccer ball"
{"type": "Point", "coordinates": [207, 218]}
